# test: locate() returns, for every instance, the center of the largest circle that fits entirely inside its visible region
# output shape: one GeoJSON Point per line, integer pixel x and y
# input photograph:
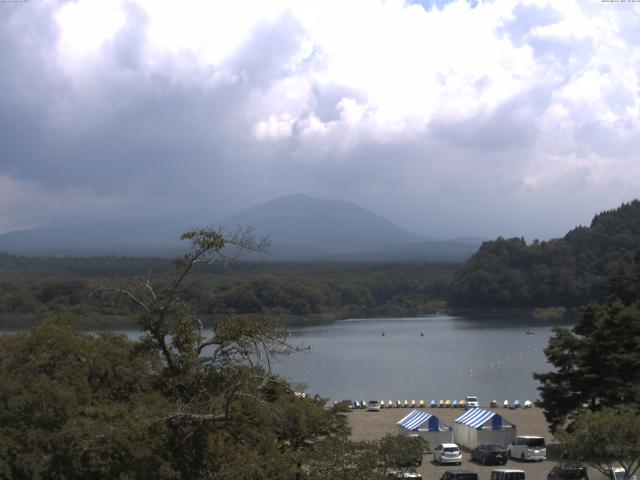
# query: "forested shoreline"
{"type": "Point", "coordinates": [33, 289]}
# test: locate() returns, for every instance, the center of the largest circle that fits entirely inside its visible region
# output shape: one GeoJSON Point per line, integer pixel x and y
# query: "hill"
{"type": "Point", "coordinates": [569, 271]}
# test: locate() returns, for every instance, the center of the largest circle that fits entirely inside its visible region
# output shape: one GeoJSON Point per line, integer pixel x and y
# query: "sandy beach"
{"type": "Point", "coordinates": [372, 425]}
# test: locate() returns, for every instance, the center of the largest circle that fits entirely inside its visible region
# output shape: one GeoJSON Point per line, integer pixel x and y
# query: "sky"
{"type": "Point", "coordinates": [450, 118]}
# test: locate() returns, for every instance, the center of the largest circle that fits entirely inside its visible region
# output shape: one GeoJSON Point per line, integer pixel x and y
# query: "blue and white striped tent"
{"type": "Point", "coordinates": [478, 426]}
{"type": "Point", "coordinates": [428, 426]}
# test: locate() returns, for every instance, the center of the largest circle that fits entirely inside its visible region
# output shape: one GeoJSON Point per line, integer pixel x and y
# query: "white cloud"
{"type": "Point", "coordinates": [274, 128]}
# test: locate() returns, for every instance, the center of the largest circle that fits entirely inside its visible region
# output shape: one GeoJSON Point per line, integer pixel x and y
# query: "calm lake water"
{"type": "Point", "coordinates": [492, 357]}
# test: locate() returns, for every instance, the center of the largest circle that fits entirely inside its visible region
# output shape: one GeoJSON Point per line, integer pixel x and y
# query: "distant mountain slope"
{"type": "Point", "coordinates": [139, 236]}
{"type": "Point", "coordinates": [570, 271]}
{"type": "Point", "coordinates": [321, 226]}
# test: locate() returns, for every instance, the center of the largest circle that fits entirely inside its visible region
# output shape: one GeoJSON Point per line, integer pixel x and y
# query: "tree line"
{"type": "Point", "coordinates": [569, 271]}
{"type": "Point", "coordinates": [32, 289]}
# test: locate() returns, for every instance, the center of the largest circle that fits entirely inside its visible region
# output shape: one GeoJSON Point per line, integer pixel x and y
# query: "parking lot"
{"type": "Point", "coordinates": [373, 425]}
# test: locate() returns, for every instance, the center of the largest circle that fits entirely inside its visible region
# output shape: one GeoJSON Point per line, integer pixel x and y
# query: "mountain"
{"type": "Point", "coordinates": [321, 226]}
{"type": "Point", "coordinates": [131, 236]}
{"type": "Point", "coordinates": [300, 228]}
{"type": "Point", "coordinates": [569, 271]}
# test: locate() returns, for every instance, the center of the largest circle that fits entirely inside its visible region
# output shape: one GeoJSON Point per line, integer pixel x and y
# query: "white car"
{"type": "Point", "coordinates": [401, 475]}
{"type": "Point", "coordinates": [472, 402]}
{"type": "Point", "coordinates": [527, 447]}
{"type": "Point", "coordinates": [447, 453]}
{"type": "Point", "coordinates": [373, 406]}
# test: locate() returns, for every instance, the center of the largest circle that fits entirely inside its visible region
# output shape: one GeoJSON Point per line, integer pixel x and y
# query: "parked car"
{"type": "Point", "coordinates": [487, 453]}
{"type": "Point", "coordinates": [348, 404]}
{"type": "Point", "coordinates": [472, 401]}
{"type": "Point", "coordinates": [507, 474]}
{"type": "Point", "coordinates": [402, 475]}
{"type": "Point", "coordinates": [619, 473]}
{"type": "Point", "coordinates": [373, 406]}
{"type": "Point", "coordinates": [568, 472]}
{"type": "Point", "coordinates": [459, 475]}
{"type": "Point", "coordinates": [527, 447]}
{"type": "Point", "coordinates": [447, 453]}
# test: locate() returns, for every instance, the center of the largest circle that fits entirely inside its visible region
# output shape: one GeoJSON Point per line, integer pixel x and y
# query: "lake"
{"type": "Point", "coordinates": [491, 357]}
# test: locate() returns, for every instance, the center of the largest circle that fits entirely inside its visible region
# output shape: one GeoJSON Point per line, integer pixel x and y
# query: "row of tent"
{"type": "Point", "coordinates": [470, 429]}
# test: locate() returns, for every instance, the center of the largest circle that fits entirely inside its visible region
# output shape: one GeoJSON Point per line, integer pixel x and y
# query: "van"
{"type": "Point", "coordinates": [507, 474]}
{"type": "Point", "coordinates": [527, 447]}
{"type": "Point", "coordinates": [373, 406]}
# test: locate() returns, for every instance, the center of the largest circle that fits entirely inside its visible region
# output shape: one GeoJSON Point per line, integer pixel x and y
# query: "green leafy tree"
{"type": "Point", "coordinates": [598, 361]}
{"type": "Point", "coordinates": [74, 405]}
{"type": "Point", "coordinates": [606, 439]}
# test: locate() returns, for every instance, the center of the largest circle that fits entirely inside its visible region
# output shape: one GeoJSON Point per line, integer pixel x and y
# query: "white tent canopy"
{"type": "Point", "coordinates": [478, 426]}
{"type": "Point", "coordinates": [427, 426]}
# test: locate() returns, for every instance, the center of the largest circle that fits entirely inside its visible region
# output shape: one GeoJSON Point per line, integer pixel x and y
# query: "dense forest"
{"type": "Point", "coordinates": [32, 289]}
{"type": "Point", "coordinates": [180, 403]}
{"type": "Point", "coordinates": [570, 271]}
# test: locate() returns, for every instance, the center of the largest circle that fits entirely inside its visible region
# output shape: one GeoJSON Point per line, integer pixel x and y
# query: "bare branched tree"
{"type": "Point", "coordinates": [208, 370]}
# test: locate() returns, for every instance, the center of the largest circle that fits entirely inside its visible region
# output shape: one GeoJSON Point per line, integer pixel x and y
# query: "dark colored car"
{"type": "Point", "coordinates": [459, 475]}
{"type": "Point", "coordinates": [568, 472]}
{"type": "Point", "coordinates": [489, 453]}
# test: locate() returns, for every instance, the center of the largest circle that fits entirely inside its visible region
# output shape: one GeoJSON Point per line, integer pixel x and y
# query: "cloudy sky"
{"type": "Point", "coordinates": [449, 118]}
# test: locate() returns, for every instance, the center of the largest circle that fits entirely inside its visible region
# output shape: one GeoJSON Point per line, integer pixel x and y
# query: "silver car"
{"type": "Point", "coordinates": [447, 453]}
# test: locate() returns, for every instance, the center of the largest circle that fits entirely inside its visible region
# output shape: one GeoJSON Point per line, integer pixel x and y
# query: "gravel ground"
{"type": "Point", "coordinates": [373, 425]}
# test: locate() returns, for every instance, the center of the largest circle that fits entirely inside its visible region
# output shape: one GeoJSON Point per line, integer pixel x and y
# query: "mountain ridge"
{"type": "Point", "coordinates": [301, 227]}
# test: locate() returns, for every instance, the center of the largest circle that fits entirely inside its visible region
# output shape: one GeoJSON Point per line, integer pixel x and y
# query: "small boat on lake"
{"type": "Point", "coordinates": [530, 332]}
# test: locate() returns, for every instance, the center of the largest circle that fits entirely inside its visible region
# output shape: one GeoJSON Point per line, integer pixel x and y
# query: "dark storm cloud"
{"type": "Point", "coordinates": [29, 80]}
{"type": "Point", "coordinates": [267, 56]}
{"type": "Point", "coordinates": [507, 127]}
{"type": "Point", "coordinates": [136, 129]}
